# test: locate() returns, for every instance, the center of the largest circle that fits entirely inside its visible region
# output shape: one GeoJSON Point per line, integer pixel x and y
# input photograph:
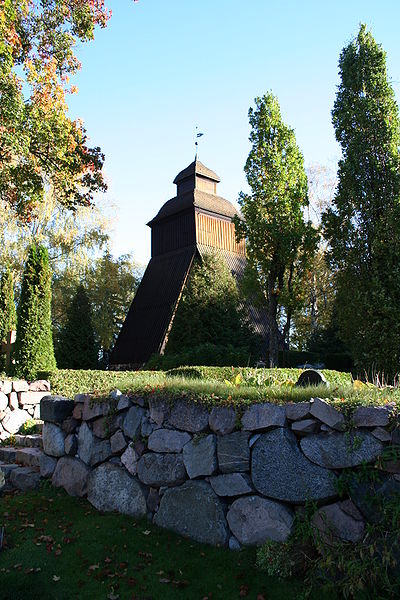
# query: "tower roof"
{"type": "Point", "coordinates": [196, 168]}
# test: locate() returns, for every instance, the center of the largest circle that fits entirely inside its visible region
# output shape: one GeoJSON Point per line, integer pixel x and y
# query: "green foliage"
{"type": "Point", "coordinates": [34, 344]}
{"type": "Point", "coordinates": [279, 242]}
{"type": "Point", "coordinates": [8, 317]}
{"type": "Point", "coordinates": [210, 312]}
{"type": "Point", "coordinates": [203, 354]}
{"type": "Point", "coordinates": [76, 346]}
{"type": "Point", "coordinates": [363, 227]}
{"type": "Point", "coordinates": [29, 427]}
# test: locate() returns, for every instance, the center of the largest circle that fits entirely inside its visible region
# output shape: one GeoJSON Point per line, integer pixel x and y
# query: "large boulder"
{"type": "Point", "coordinates": [94, 408]}
{"type": "Point", "coordinates": [132, 421]}
{"type": "Point", "coordinates": [253, 520]}
{"type": "Point", "coordinates": [90, 449]}
{"type": "Point", "coordinates": [335, 523]}
{"type": "Point", "coordinates": [71, 474]}
{"type": "Point", "coordinates": [297, 411]}
{"type": "Point", "coordinates": [24, 478]}
{"type": "Point", "coordinates": [195, 511]}
{"type": "Point", "coordinates": [47, 465]}
{"type": "Point", "coordinates": [110, 487]}
{"type": "Point", "coordinates": [53, 440]}
{"type": "Point", "coordinates": [371, 496]}
{"type": "Point", "coordinates": [371, 416]}
{"type": "Point", "coordinates": [280, 470]}
{"type": "Point", "coordinates": [261, 417]}
{"type": "Point", "coordinates": [55, 408]}
{"type": "Point", "coordinates": [188, 416]}
{"type": "Point", "coordinates": [327, 414]}
{"type": "Point", "coordinates": [341, 450]}
{"type": "Point", "coordinates": [200, 456]}
{"type": "Point", "coordinates": [161, 469]}
{"type": "Point", "coordinates": [168, 440]}
{"type": "Point", "coordinates": [233, 452]}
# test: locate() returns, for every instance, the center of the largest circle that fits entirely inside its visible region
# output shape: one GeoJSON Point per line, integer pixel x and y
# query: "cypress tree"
{"type": "Point", "coordinates": [34, 344]}
{"type": "Point", "coordinates": [8, 316]}
{"type": "Point", "coordinates": [363, 226]}
{"type": "Point", "coordinates": [76, 345]}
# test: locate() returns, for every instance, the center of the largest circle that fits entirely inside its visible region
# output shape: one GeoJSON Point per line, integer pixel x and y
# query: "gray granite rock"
{"type": "Point", "coordinates": [20, 385]}
{"type": "Point", "coordinates": [195, 511]}
{"type": "Point", "coordinates": [3, 401]}
{"type": "Point", "coordinates": [159, 410]}
{"type": "Point", "coordinates": [233, 452]}
{"type": "Point", "coordinates": [231, 484]}
{"type": "Point", "coordinates": [32, 398]}
{"type": "Point", "coordinates": [280, 470]}
{"type": "Point", "coordinates": [5, 386]}
{"type": "Point", "coordinates": [200, 456]}
{"type": "Point", "coordinates": [222, 419]}
{"type": "Point", "coordinates": [92, 450]}
{"type": "Point", "coordinates": [298, 411]}
{"type": "Point", "coordinates": [396, 436]}
{"type": "Point", "coordinates": [47, 465]}
{"type": "Point", "coordinates": [335, 525]}
{"type": "Point", "coordinates": [147, 427]}
{"type": "Point", "coordinates": [161, 469]}
{"type": "Point", "coordinates": [132, 422]}
{"type": "Point", "coordinates": [71, 444]}
{"type": "Point", "coordinates": [71, 474]}
{"type": "Point", "coordinates": [234, 544]}
{"type": "Point", "coordinates": [55, 408]}
{"type": "Point", "coordinates": [168, 440]}
{"type": "Point", "coordinates": [381, 434]}
{"type": "Point", "coordinates": [118, 442]}
{"type": "Point", "coordinates": [13, 420]}
{"type": "Point", "coordinates": [110, 488]}
{"type": "Point", "coordinates": [261, 417]}
{"type": "Point", "coordinates": [124, 403]}
{"type": "Point", "coordinates": [78, 411]}
{"type": "Point", "coordinates": [53, 439]}
{"type": "Point", "coordinates": [130, 459]}
{"type": "Point", "coordinates": [93, 408]}
{"type": "Point", "coordinates": [320, 409]}
{"type": "Point", "coordinates": [101, 427]}
{"type": "Point", "coordinates": [341, 450]}
{"type": "Point", "coordinates": [305, 427]}
{"type": "Point", "coordinates": [153, 500]}
{"type": "Point", "coordinates": [253, 520]}
{"type": "Point", "coordinates": [371, 416]}
{"type": "Point", "coordinates": [24, 478]}
{"type": "Point", "coordinates": [69, 425]}
{"type": "Point", "coordinates": [188, 416]}
{"type": "Point", "coordinates": [311, 377]}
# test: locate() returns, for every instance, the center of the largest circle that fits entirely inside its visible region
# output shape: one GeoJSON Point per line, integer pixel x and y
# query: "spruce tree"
{"type": "Point", "coordinates": [363, 226]}
{"type": "Point", "coordinates": [34, 344]}
{"type": "Point", "coordinates": [8, 317]}
{"type": "Point", "coordinates": [209, 311]}
{"type": "Point", "coordinates": [76, 347]}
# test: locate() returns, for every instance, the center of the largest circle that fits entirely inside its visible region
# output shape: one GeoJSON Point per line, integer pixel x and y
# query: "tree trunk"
{"type": "Point", "coordinates": [273, 329]}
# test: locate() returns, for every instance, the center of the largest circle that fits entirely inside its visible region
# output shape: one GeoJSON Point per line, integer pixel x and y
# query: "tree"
{"type": "Point", "coordinates": [209, 311]}
{"type": "Point", "coordinates": [77, 348]}
{"type": "Point", "coordinates": [363, 226]}
{"type": "Point", "coordinates": [8, 317]}
{"type": "Point", "coordinates": [34, 344]}
{"type": "Point", "coordinates": [279, 242]}
{"type": "Point", "coordinates": [41, 148]}
{"type": "Point", "coordinates": [110, 284]}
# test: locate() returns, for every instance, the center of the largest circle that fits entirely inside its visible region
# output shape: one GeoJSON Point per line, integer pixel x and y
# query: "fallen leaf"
{"type": "Point", "coordinates": [94, 567]}
{"type": "Point", "coordinates": [56, 578]}
{"type": "Point", "coordinates": [147, 532]}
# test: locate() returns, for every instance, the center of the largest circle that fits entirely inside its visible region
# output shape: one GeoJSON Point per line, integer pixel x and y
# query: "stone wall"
{"type": "Point", "coordinates": [19, 402]}
{"type": "Point", "coordinates": [214, 475]}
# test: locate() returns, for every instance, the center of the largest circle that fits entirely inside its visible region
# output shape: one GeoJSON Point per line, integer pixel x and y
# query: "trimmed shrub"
{"type": "Point", "coordinates": [8, 316]}
{"type": "Point", "coordinates": [34, 349]}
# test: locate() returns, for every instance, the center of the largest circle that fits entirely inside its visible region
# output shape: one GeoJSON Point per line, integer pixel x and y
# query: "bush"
{"type": "Point", "coordinates": [34, 349]}
{"type": "Point", "coordinates": [8, 317]}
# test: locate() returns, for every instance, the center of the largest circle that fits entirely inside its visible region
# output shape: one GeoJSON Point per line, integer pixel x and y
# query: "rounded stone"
{"type": "Point", "coordinates": [53, 440]}
{"type": "Point", "coordinates": [110, 487]}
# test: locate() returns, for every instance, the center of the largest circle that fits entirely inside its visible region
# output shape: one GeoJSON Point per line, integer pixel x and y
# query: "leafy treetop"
{"type": "Point", "coordinates": [41, 148]}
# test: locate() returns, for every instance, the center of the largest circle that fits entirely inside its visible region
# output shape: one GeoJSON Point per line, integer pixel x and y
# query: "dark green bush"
{"type": "Point", "coordinates": [8, 317]}
{"type": "Point", "coordinates": [34, 349]}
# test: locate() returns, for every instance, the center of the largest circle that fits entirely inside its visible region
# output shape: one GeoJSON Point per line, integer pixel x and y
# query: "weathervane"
{"type": "Point", "coordinates": [198, 135]}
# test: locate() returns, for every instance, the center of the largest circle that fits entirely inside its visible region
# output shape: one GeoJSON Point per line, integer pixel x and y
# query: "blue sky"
{"type": "Point", "coordinates": [161, 67]}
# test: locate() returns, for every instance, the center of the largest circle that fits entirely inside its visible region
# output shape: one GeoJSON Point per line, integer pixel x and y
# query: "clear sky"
{"type": "Point", "coordinates": [161, 67]}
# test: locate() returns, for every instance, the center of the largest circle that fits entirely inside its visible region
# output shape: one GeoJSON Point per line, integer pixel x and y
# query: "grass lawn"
{"type": "Point", "coordinates": [58, 547]}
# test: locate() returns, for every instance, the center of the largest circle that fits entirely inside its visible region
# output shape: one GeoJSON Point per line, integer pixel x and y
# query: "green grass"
{"type": "Point", "coordinates": [59, 547]}
{"type": "Point", "coordinates": [219, 385]}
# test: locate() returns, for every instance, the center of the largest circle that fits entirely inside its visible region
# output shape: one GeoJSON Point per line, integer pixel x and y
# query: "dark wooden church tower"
{"type": "Point", "coordinates": [197, 220]}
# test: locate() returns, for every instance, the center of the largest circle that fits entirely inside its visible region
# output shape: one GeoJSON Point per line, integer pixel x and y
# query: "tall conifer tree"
{"type": "Point", "coordinates": [363, 226]}
{"type": "Point", "coordinates": [76, 346]}
{"type": "Point", "coordinates": [34, 344]}
{"type": "Point", "coordinates": [8, 317]}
